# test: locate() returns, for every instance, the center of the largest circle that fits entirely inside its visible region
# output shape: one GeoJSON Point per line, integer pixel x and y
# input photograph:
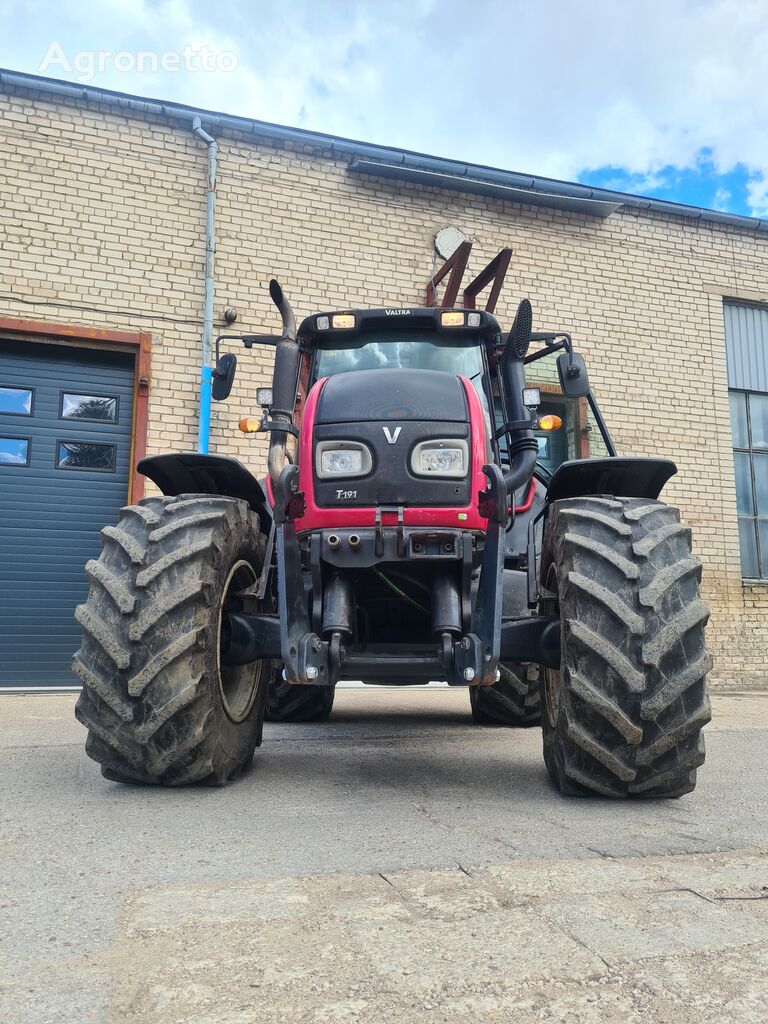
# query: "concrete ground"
{"type": "Point", "coordinates": [396, 863]}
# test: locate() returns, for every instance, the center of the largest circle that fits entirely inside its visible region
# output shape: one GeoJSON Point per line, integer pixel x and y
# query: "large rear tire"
{"type": "Point", "coordinates": [158, 705]}
{"type": "Point", "coordinates": [514, 700]}
{"type": "Point", "coordinates": [623, 715]}
{"type": "Point", "coordinates": [291, 702]}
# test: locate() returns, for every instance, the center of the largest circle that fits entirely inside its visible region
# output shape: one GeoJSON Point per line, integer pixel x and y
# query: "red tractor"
{"type": "Point", "coordinates": [433, 510]}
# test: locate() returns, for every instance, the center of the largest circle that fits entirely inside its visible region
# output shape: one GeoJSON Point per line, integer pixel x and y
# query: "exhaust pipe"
{"type": "Point", "coordinates": [283, 383]}
{"type": "Point", "coordinates": [523, 447]}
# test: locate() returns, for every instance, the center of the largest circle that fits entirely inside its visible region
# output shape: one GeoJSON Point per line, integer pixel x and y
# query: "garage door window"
{"type": "Point", "coordinates": [14, 451]}
{"type": "Point", "coordinates": [16, 401]}
{"type": "Point", "coordinates": [86, 455]}
{"type": "Point", "coordinates": [101, 408]}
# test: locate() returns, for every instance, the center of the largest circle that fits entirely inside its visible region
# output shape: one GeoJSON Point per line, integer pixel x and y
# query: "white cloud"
{"type": "Point", "coordinates": [722, 199]}
{"type": "Point", "coordinates": [757, 194]}
{"type": "Point", "coordinates": [553, 87]}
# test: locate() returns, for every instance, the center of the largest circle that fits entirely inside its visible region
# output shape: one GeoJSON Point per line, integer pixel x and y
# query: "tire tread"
{"type": "Point", "coordinates": [632, 683]}
{"type": "Point", "coordinates": [150, 697]}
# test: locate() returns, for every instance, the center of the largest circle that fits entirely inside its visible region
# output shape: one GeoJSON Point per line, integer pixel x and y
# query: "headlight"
{"type": "Point", "coordinates": [342, 458]}
{"type": "Point", "coordinates": [339, 461]}
{"type": "Point", "coordinates": [440, 458]}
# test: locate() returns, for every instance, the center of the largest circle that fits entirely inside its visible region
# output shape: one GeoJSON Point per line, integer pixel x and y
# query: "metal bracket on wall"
{"type": "Point", "coordinates": [456, 264]}
{"type": "Point", "coordinates": [493, 274]}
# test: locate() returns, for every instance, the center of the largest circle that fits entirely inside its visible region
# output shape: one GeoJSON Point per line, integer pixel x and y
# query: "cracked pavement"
{"type": "Point", "coordinates": [396, 863]}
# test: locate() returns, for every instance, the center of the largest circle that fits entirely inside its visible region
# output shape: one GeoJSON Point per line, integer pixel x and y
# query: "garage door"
{"type": "Point", "coordinates": [65, 444]}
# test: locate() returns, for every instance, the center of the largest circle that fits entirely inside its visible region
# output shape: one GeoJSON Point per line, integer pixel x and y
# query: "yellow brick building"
{"type": "Point", "coordinates": [102, 222]}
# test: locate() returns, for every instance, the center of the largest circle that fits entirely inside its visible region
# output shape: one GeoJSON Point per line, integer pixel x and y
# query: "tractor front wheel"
{"type": "Point", "coordinates": [623, 715]}
{"type": "Point", "coordinates": [159, 705]}
{"type": "Point", "coordinates": [291, 702]}
{"type": "Point", "coordinates": [514, 700]}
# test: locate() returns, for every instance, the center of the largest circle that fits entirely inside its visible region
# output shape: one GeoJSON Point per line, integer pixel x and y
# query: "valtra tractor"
{"type": "Point", "coordinates": [433, 510]}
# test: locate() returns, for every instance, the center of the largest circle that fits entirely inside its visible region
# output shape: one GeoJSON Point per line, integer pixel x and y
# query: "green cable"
{"type": "Point", "coordinates": [399, 592]}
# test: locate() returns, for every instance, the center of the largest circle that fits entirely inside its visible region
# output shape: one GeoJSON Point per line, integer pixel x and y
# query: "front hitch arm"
{"type": "Point", "coordinates": [476, 656]}
{"type": "Point", "coordinates": [304, 654]}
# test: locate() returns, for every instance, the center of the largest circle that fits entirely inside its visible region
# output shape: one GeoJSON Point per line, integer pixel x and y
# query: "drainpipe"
{"type": "Point", "coordinates": [206, 374]}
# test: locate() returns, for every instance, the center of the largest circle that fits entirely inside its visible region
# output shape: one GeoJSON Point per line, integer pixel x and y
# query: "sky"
{"type": "Point", "coordinates": [664, 99]}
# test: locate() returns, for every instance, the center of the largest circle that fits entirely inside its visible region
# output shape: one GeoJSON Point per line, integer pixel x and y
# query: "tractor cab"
{"type": "Point", "coordinates": [465, 343]}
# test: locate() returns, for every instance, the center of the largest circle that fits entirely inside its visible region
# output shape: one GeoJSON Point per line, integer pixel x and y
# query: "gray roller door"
{"type": "Point", "coordinates": [65, 443]}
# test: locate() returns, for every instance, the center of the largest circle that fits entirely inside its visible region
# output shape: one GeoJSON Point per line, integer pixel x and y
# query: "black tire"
{"type": "Point", "coordinates": [515, 700]}
{"type": "Point", "coordinates": [623, 716]}
{"type": "Point", "coordinates": [291, 702]}
{"type": "Point", "coordinates": [156, 704]}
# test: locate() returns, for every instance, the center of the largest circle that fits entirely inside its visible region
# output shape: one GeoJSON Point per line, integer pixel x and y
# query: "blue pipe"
{"type": "Point", "coordinates": [204, 421]}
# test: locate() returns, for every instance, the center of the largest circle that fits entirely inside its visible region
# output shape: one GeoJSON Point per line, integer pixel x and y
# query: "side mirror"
{"type": "Point", "coordinates": [223, 377]}
{"type": "Point", "coordinates": [572, 371]}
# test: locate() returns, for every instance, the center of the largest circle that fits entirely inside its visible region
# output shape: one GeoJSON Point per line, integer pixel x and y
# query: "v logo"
{"type": "Point", "coordinates": [392, 436]}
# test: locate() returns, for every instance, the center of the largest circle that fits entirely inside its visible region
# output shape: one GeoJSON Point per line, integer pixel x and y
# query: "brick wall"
{"type": "Point", "coordinates": [102, 219]}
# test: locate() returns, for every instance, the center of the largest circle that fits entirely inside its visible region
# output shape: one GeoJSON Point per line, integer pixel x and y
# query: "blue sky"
{"type": "Point", "coordinates": [656, 97]}
{"type": "Point", "coordinates": [700, 184]}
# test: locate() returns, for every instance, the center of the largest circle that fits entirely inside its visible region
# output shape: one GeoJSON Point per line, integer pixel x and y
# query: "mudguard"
{"type": "Point", "coordinates": [191, 473]}
{"type": "Point", "coordinates": [623, 477]}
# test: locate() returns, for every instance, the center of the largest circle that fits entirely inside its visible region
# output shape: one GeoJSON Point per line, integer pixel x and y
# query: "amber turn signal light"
{"type": "Point", "coordinates": [550, 422]}
{"type": "Point", "coordinates": [249, 425]}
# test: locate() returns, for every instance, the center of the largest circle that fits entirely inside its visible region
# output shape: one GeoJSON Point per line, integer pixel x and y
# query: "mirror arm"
{"type": "Point", "coordinates": [601, 425]}
{"type": "Point", "coordinates": [573, 371]}
{"type": "Point", "coordinates": [550, 348]}
{"type": "Point", "coordinates": [248, 340]}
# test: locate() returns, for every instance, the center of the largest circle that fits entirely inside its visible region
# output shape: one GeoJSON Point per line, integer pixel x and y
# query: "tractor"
{"type": "Point", "coordinates": [443, 502]}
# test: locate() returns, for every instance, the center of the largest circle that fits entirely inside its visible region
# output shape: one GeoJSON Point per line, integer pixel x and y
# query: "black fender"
{"type": "Point", "coordinates": [191, 473]}
{"type": "Point", "coordinates": [624, 477]}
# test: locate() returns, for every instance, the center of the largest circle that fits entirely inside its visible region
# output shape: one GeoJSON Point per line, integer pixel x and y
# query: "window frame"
{"type": "Point", "coordinates": [13, 437]}
{"type": "Point", "coordinates": [31, 390]}
{"type": "Point", "coordinates": [756, 518]}
{"type": "Point", "coordinates": [88, 419]}
{"type": "Point", "coordinates": [84, 469]}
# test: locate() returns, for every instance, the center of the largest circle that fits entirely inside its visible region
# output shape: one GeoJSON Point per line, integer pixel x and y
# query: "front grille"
{"type": "Point", "coordinates": [391, 481]}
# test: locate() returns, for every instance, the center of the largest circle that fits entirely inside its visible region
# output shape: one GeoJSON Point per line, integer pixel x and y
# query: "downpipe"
{"type": "Point", "coordinates": [206, 371]}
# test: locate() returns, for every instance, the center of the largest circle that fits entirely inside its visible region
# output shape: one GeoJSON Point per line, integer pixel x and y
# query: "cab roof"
{"type": "Point", "coordinates": [475, 323]}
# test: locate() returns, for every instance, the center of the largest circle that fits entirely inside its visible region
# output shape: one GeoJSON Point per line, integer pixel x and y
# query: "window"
{"type": "Point", "coordinates": [16, 401]}
{"type": "Point", "coordinates": [14, 451]}
{"type": "Point", "coordinates": [86, 455]}
{"type": "Point", "coordinates": [413, 350]}
{"type": "Point", "coordinates": [88, 407]}
{"type": "Point", "coordinates": [749, 427]}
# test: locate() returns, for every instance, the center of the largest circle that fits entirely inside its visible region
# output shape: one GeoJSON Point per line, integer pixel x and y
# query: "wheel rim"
{"type": "Point", "coordinates": [238, 684]}
{"type": "Point", "coordinates": [553, 682]}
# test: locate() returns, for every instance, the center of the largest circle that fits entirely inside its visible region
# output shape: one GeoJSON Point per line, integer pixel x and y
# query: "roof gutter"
{"type": "Point", "coordinates": [394, 163]}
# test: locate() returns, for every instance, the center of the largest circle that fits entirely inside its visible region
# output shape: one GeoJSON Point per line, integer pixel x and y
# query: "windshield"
{"type": "Point", "coordinates": [578, 438]}
{"type": "Point", "coordinates": [416, 350]}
